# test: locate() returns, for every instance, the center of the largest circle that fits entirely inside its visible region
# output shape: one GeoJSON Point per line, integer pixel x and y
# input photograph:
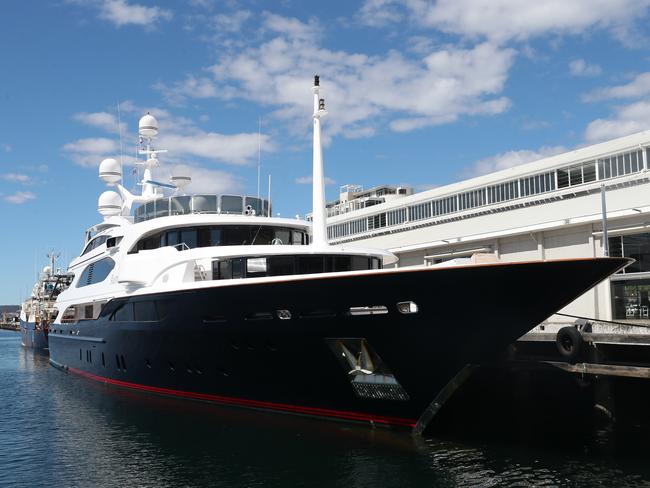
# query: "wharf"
{"type": "Point", "coordinates": [10, 326]}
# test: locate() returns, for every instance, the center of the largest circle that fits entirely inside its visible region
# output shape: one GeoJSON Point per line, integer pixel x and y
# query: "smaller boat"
{"type": "Point", "coordinates": [38, 311]}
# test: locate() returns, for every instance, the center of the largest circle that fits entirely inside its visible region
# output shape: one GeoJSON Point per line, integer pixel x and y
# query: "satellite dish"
{"type": "Point", "coordinates": [109, 204]}
{"type": "Point", "coordinates": [181, 177]}
{"type": "Point", "coordinates": [148, 126]}
{"type": "Point", "coordinates": [110, 171]}
{"type": "Point", "coordinates": [47, 270]}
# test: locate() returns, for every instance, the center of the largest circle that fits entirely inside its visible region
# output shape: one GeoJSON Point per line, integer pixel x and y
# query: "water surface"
{"type": "Point", "coordinates": [59, 430]}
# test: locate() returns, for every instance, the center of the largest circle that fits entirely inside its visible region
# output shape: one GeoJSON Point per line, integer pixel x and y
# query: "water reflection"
{"type": "Point", "coordinates": [61, 430]}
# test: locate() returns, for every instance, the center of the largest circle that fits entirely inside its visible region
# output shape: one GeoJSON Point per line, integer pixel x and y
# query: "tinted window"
{"type": "Point", "coordinates": [204, 203]}
{"type": "Point", "coordinates": [230, 235]}
{"type": "Point", "coordinates": [145, 311]}
{"type": "Point", "coordinates": [96, 272]}
{"type": "Point", "coordinates": [124, 313]}
{"type": "Point", "coordinates": [280, 265]}
{"type": "Point", "coordinates": [310, 264]}
{"type": "Point", "coordinates": [179, 205]}
{"type": "Point", "coordinates": [188, 237]}
{"type": "Point", "coordinates": [231, 204]}
{"type": "Point", "coordinates": [95, 243]}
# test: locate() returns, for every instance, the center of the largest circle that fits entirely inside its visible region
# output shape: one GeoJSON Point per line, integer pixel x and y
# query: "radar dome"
{"type": "Point", "coordinates": [109, 204]}
{"type": "Point", "coordinates": [181, 176]}
{"type": "Point", "coordinates": [47, 270]}
{"type": "Point", "coordinates": [110, 171]}
{"type": "Point", "coordinates": [148, 126]}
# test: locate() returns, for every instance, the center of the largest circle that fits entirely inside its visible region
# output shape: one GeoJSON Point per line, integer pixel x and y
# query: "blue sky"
{"type": "Point", "coordinates": [421, 93]}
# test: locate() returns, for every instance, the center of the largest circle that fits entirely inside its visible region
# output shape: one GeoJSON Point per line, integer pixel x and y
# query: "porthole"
{"type": "Point", "coordinates": [407, 307]}
{"type": "Point", "coordinates": [283, 314]}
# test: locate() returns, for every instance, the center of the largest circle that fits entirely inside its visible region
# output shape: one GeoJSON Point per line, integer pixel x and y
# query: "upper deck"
{"type": "Point", "coordinates": [202, 204]}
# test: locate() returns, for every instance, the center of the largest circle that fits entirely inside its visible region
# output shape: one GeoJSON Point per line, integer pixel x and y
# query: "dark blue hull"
{"type": "Point", "coordinates": [32, 336]}
{"type": "Point", "coordinates": [286, 346]}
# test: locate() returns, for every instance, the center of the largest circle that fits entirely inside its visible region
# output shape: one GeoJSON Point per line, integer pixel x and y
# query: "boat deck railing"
{"type": "Point", "coordinates": [202, 204]}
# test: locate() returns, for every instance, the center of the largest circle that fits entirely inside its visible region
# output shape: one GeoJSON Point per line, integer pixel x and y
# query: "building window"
{"type": "Point", "coordinates": [636, 246]}
{"type": "Point", "coordinates": [420, 211]}
{"type": "Point", "coordinates": [396, 217]}
{"type": "Point", "coordinates": [630, 300]}
{"type": "Point", "coordinates": [472, 199]}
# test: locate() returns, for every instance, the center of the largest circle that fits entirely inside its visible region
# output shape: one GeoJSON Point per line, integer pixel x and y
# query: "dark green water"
{"type": "Point", "coordinates": [58, 430]}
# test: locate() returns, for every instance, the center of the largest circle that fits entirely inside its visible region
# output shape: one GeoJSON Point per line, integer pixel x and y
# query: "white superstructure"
{"type": "Point", "coordinates": [164, 240]}
{"type": "Point", "coordinates": [547, 209]}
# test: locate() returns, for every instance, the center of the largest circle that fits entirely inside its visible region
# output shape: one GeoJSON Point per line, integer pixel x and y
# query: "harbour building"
{"type": "Point", "coordinates": [547, 209]}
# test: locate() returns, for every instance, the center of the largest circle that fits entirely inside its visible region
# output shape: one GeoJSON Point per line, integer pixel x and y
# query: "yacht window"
{"type": "Point", "coordinates": [289, 265]}
{"type": "Point", "coordinates": [172, 238]}
{"type": "Point", "coordinates": [204, 203]}
{"type": "Point", "coordinates": [162, 208]}
{"type": "Point", "coordinates": [231, 204]}
{"type": "Point", "coordinates": [70, 315]}
{"type": "Point", "coordinates": [180, 205]}
{"type": "Point", "coordinates": [88, 311]}
{"type": "Point", "coordinates": [188, 237]}
{"type": "Point", "coordinates": [310, 264]}
{"type": "Point", "coordinates": [95, 243]}
{"type": "Point", "coordinates": [113, 241]}
{"type": "Point", "coordinates": [124, 313]}
{"type": "Point", "coordinates": [227, 235]}
{"type": "Point", "coordinates": [145, 311]}
{"type": "Point", "coordinates": [228, 269]}
{"type": "Point", "coordinates": [149, 210]}
{"type": "Point", "coordinates": [96, 272]}
{"type": "Point", "coordinates": [256, 265]}
{"type": "Point", "coordinates": [281, 266]}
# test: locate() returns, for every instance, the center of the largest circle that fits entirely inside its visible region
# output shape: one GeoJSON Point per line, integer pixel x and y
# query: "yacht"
{"type": "Point", "coordinates": [39, 311]}
{"type": "Point", "coordinates": [211, 298]}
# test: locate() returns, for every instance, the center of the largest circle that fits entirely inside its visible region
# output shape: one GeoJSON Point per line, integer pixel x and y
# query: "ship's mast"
{"type": "Point", "coordinates": [53, 256]}
{"type": "Point", "coordinates": [319, 230]}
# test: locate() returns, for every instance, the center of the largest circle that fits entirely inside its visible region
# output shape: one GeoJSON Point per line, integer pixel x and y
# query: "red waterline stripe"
{"type": "Point", "coordinates": [323, 412]}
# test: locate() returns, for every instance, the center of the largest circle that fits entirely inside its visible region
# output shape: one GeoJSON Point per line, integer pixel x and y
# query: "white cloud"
{"type": "Point", "coordinates": [377, 13]}
{"type": "Point", "coordinates": [502, 20]}
{"type": "Point", "coordinates": [91, 151]}
{"type": "Point", "coordinates": [122, 13]}
{"type": "Point", "coordinates": [206, 180]}
{"type": "Point", "coordinates": [191, 87]}
{"type": "Point", "coordinates": [179, 135]}
{"type": "Point", "coordinates": [231, 22]}
{"type": "Point", "coordinates": [292, 27]}
{"type": "Point", "coordinates": [235, 149]}
{"type": "Point", "coordinates": [102, 120]}
{"type": "Point", "coordinates": [579, 67]}
{"type": "Point", "coordinates": [22, 178]}
{"type": "Point", "coordinates": [432, 89]}
{"type": "Point", "coordinates": [20, 197]}
{"type": "Point", "coordinates": [6, 148]}
{"type": "Point", "coordinates": [626, 120]}
{"type": "Point", "coordinates": [509, 159]}
{"type": "Point", "coordinates": [638, 87]}
{"type": "Point", "coordinates": [307, 180]}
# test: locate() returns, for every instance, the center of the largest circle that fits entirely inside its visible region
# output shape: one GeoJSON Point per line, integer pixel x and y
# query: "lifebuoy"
{"type": "Point", "coordinates": [569, 343]}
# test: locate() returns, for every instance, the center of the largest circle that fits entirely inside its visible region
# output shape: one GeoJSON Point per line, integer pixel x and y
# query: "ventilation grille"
{"type": "Point", "coordinates": [378, 391]}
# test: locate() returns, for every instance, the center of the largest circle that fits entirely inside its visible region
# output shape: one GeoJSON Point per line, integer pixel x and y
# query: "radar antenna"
{"type": "Point", "coordinates": [53, 256]}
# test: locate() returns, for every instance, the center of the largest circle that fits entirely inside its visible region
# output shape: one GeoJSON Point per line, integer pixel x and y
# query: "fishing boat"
{"type": "Point", "coordinates": [39, 311]}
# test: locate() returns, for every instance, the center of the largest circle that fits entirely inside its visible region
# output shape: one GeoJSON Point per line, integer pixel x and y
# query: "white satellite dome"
{"type": "Point", "coordinates": [110, 171]}
{"type": "Point", "coordinates": [148, 126]}
{"type": "Point", "coordinates": [109, 204]}
{"type": "Point", "coordinates": [47, 270]}
{"type": "Point", "coordinates": [181, 176]}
